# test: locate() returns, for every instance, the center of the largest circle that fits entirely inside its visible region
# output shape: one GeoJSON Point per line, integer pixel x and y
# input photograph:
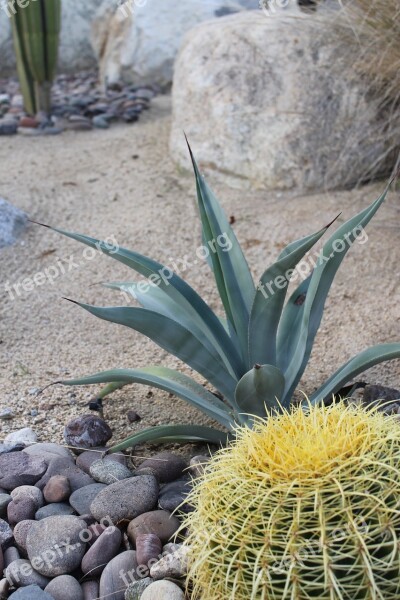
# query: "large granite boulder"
{"type": "Point", "coordinates": [275, 103]}
{"type": "Point", "coordinates": [138, 41]}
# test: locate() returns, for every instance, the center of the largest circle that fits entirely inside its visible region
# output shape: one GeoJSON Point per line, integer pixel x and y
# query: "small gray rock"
{"type": "Point", "coordinates": [117, 575]}
{"type": "Point", "coordinates": [173, 495]}
{"type": "Point", "coordinates": [103, 550]}
{"type": "Point", "coordinates": [126, 499]}
{"type": "Point", "coordinates": [100, 122]}
{"type": "Point", "coordinates": [20, 510]}
{"type": "Point", "coordinates": [21, 573]}
{"type": "Point", "coordinates": [135, 590]}
{"type": "Point", "coordinates": [90, 590]}
{"type": "Point", "coordinates": [21, 532]}
{"type": "Point", "coordinates": [64, 587]}
{"type": "Point", "coordinates": [109, 471]}
{"type": "Point", "coordinates": [85, 460]}
{"type": "Point", "coordinates": [56, 509]}
{"type": "Point", "coordinates": [64, 466]}
{"type": "Point", "coordinates": [7, 448]}
{"type": "Point", "coordinates": [87, 431]}
{"type": "Point", "coordinates": [11, 554]}
{"type": "Point", "coordinates": [6, 414]}
{"type": "Point", "coordinates": [373, 393]}
{"type": "Point", "coordinates": [171, 566]}
{"type": "Point", "coordinates": [165, 466]}
{"type": "Point", "coordinates": [12, 220]}
{"type": "Point", "coordinates": [28, 491]}
{"type": "Point", "coordinates": [8, 127]}
{"type": "Point", "coordinates": [62, 533]}
{"type": "Point", "coordinates": [6, 534]}
{"type": "Point", "coordinates": [163, 590]}
{"type": "Point", "coordinates": [198, 464]}
{"type": "Point", "coordinates": [25, 437]}
{"type": "Point", "coordinates": [82, 499]}
{"type": "Point", "coordinates": [48, 451]}
{"type": "Point", "coordinates": [5, 500]}
{"type": "Point", "coordinates": [18, 468]}
{"type": "Point", "coordinates": [160, 522]}
{"type": "Point", "coordinates": [31, 592]}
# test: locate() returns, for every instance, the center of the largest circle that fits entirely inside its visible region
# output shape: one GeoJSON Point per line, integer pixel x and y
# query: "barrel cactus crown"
{"type": "Point", "coordinates": [305, 505]}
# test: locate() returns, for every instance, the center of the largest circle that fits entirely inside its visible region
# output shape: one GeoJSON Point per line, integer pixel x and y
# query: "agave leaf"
{"type": "Point", "coordinates": [359, 363]}
{"type": "Point", "coordinates": [302, 335]}
{"type": "Point", "coordinates": [154, 298]}
{"type": "Point", "coordinates": [167, 434]}
{"type": "Point", "coordinates": [270, 297]}
{"type": "Point", "coordinates": [290, 320]}
{"type": "Point", "coordinates": [231, 271]}
{"type": "Point", "coordinates": [175, 287]}
{"type": "Point", "coordinates": [169, 380]}
{"type": "Point", "coordinates": [259, 390]}
{"type": "Point", "coordinates": [173, 338]}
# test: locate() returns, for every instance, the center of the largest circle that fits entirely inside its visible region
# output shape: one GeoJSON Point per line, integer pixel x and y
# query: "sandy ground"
{"type": "Point", "coordinates": [121, 183]}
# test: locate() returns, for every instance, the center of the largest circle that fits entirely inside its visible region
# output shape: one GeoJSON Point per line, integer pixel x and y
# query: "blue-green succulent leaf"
{"type": "Point", "coordinates": [260, 390]}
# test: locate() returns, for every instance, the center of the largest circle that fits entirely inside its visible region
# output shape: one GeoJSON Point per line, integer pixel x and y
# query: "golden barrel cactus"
{"type": "Point", "coordinates": [305, 505]}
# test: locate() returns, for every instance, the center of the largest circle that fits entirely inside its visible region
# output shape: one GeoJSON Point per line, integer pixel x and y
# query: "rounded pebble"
{"type": "Point", "coordinates": [87, 431]}
{"type": "Point", "coordinates": [160, 522]}
{"type": "Point", "coordinates": [126, 499]}
{"type": "Point", "coordinates": [118, 574]}
{"type": "Point", "coordinates": [83, 498]}
{"type": "Point", "coordinates": [64, 587]}
{"type": "Point", "coordinates": [56, 509]}
{"type": "Point", "coordinates": [21, 573]}
{"type": "Point", "coordinates": [57, 489]}
{"type": "Point", "coordinates": [63, 533]}
{"type": "Point", "coordinates": [163, 590]}
{"type": "Point", "coordinates": [165, 466]}
{"type": "Point", "coordinates": [101, 552]}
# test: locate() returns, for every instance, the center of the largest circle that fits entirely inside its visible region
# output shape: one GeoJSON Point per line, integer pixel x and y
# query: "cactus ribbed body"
{"type": "Point", "coordinates": [305, 506]}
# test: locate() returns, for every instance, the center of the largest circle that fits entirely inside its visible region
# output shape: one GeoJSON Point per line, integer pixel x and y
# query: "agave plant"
{"type": "Point", "coordinates": [36, 29]}
{"type": "Point", "coordinates": [255, 356]}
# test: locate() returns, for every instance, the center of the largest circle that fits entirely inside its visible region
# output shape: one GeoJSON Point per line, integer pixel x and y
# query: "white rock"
{"type": "Point", "coordinates": [25, 436]}
{"type": "Point", "coordinates": [274, 103]}
{"type": "Point", "coordinates": [138, 41]}
{"type": "Point", "coordinates": [172, 565]}
{"type": "Point", "coordinates": [163, 590]}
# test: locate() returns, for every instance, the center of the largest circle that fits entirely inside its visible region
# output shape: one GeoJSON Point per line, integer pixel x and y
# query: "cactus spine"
{"type": "Point", "coordinates": [304, 506]}
{"type": "Point", "coordinates": [36, 31]}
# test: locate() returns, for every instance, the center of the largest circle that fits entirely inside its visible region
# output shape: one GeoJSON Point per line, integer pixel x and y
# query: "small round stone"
{"type": "Point", "coordinates": [102, 551]}
{"type": "Point", "coordinates": [21, 573]}
{"type": "Point", "coordinates": [54, 510]}
{"type": "Point", "coordinates": [87, 431]}
{"type": "Point", "coordinates": [64, 587]}
{"type": "Point", "coordinates": [28, 491]}
{"type": "Point", "coordinates": [159, 522]}
{"type": "Point", "coordinates": [18, 468]}
{"type": "Point", "coordinates": [126, 499]}
{"type": "Point", "coordinates": [82, 499]}
{"type": "Point", "coordinates": [5, 500]}
{"type": "Point", "coordinates": [62, 533]}
{"type": "Point", "coordinates": [135, 590]}
{"type": "Point", "coordinates": [31, 592]}
{"type": "Point", "coordinates": [87, 458]}
{"type": "Point", "coordinates": [165, 466]}
{"type": "Point", "coordinates": [21, 532]}
{"type": "Point", "coordinates": [163, 590]}
{"type": "Point", "coordinates": [117, 575]}
{"type": "Point", "coordinates": [57, 489]}
{"type": "Point", "coordinates": [25, 437]}
{"type": "Point", "coordinates": [20, 510]}
{"type": "Point", "coordinates": [6, 534]}
{"type": "Point", "coordinates": [90, 590]}
{"type": "Point", "coordinates": [109, 471]}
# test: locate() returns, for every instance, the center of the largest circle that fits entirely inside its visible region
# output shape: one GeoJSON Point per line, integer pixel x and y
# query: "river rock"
{"type": "Point", "coordinates": [109, 471]}
{"type": "Point", "coordinates": [57, 489]}
{"type": "Point", "coordinates": [82, 499]}
{"type": "Point", "coordinates": [48, 451]}
{"type": "Point", "coordinates": [173, 496]}
{"type": "Point", "coordinates": [148, 548]}
{"type": "Point", "coordinates": [31, 592]}
{"type": "Point", "coordinates": [159, 522]}
{"type": "Point", "coordinates": [18, 468]}
{"type": "Point", "coordinates": [5, 500]}
{"type": "Point", "coordinates": [163, 590]}
{"type": "Point", "coordinates": [101, 552]}
{"type": "Point", "coordinates": [20, 510]}
{"type": "Point", "coordinates": [28, 491]}
{"type": "Point", "coordinates": [171, 566]}
{"type": "Point", "coordinates": [64, 466]}
{"type": "Point", "coordinates": [55, 509]}
{"type": "Point", "coordinates": [46, 535]}
{"type": "Point", "coordinates": [198, 464]}
{"type": "Point", "coordinates": [21, 533]}
{"type": "Point", "coordinates": [25, 437]}
{"type": "Point", "coordinates": [301, 117]}
{"type": "Point", "coordinates": [126, 499]}
{"type": "Point", "coordinates": [6, 534]}
{"type": "Point", "coordinates": [21, 574]}
{"type": "Point", "coordinates": [12, 222]}
{"type": "Point", "coordinates": [90, 590]}
{"type": "Point", "coordinates": [85, 460]}
{"type": "Point", "coordinates": [64, 587]}
{"type": "Point", "coordinates": [135, 590]}
{"type": "Point", "coordinates": [118, 574]}
{"type": "Point", "coordinates": [87, 431]}
{"type": "Point", "coordinates": [165, 466]}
